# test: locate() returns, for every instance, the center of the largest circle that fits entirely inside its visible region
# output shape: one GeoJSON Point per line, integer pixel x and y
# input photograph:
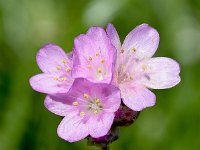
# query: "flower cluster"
{"type": "Point", "coordinates": [86, 86]}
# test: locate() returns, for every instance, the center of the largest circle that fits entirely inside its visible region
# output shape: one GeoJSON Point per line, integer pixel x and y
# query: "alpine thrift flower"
{"type": "Point", "coordinates": [94, 56]}
{"type": "Point", "coordinates": [56, 66]}
{"type": "Point", "coordinates": [88, 109]}
{"type": "Point", "coordinates": [135, 70]}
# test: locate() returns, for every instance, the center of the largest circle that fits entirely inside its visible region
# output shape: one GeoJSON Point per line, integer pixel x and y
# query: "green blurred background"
{"type": "Point", "coordinates": [26, 25]}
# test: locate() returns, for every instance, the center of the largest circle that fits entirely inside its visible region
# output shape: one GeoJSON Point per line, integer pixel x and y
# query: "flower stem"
{"type": "Point", "coordinates": [104, 147]}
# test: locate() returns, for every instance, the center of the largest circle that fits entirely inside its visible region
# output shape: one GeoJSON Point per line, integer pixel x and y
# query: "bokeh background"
{"type": "Point", "coordinates": [26, 25]}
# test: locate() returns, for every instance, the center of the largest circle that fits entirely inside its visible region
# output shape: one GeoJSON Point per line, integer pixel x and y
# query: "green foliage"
{"type": "Point", "coordinates": [25, 26]}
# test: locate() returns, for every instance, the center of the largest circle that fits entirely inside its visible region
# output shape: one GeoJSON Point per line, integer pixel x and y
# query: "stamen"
{"type": "Point", "coordinates": [102, 60]}
{"type": "Point", "coordinates": [122, 51]}
{"type": "Point", "coordinates": [82, 114]}
{"type": "Point", "coordinates": [63, 79]}
{"type": "Point", "coordinates": [144, 67]}
{"type": "Point", "coordinates": [134, 50]}
{"type": "Point", "coordinates": [99, 71]}
{"type": "Point", "coordinates": [85, 95]}
{"type": "Point", "coordinates": [131, 77]}
{"type": "Point", "coordinates": [64, 61]}
{"type": "Point", "coordinates": [89, 58]}
{"type": "Point", "coordinates": [55, 78]}
{"type": "Point", "coordinates": [95, 111]}
{"type": "Point", "coordinates": [97, 54]}
{"type": "Point", "coordinates": [68, 69]}
{"type": "Point", "coordinates": [75, 103]}
{"type": "Point", "coordinates": [97, 101]}
{"type": "Point", "coordinates": [89, 66]}
{"type": "Point", "coordinates": [58, 67]}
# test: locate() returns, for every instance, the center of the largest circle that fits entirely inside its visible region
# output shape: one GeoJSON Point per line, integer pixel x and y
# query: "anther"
{"type": "Point", "coordinates": [68, 69]}
{"type": "Point", "coordinates": [82, 114]}
{"type": "Point", "coordinates": [75, 103]}
{"type": "Point", "coordinates": [122, 51]}
{"type": "Point", "coordinates": [99, 70]}
{"type": "Point", "coordinates": [63, 79]}
{"type": "Point", "coordinates": [89, 66]}
{"type": "Point", "coordinates": [55, 78]}
{"type": "Point", "coordinates": [89, 58]}
{"type": "Point", "coordinates": [102, 60]}
{"type": "Point", "coordinates": [144, 67]}
{"type": "Point", "coordinates": [131, 77]}
{"type": "Point", "coordinates": [95, 111]}
{"type": "Point", "coordinates": [134, 50]}
{"type": "Point", "coordinates": [64, 61]}
{"type": "Point", "coordinates": [58, 67]}
{"type": "Point", "coordinates": [97, 101]}
{"type": "Point", "coordinates": [97, 54]}
{"type": "Point", "coordinates": [85, 95]}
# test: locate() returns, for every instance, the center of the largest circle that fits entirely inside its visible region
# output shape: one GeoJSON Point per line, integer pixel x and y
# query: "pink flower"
{"type": "Point", "coordinates": [56, 66]}
{"type": "Point", "coordinates": [88, 109]}
{"type": "Point", "coordinates": [135, 70]}
{"type": "Point", "coordinates": [94, 56]}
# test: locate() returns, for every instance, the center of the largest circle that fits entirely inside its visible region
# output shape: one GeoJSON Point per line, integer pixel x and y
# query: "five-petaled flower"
{"type": "Point", "coordinates": [88, 109]}
{"type": "Point", "coordinates": [135, 70]}
{"type": "Point", "coordinates": [56, 66]}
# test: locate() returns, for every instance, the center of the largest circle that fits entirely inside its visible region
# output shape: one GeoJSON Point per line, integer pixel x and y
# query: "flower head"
{"type": "Point", "coordinates": [56, 66]}
{"type": "Point", "coordinates": [88, 109]}
{"type": "Point", "coordinates": [94, 56]}
{"type": "Point", "coordinates": [135, 70]}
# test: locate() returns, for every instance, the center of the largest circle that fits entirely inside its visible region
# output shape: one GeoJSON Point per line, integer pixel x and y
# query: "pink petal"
{"type": "Point", "coordinates": [141, 42]}
{"type": "Point", "coordinates": [88, 46]}
{"type": "Point", "coordinates": [52, 56]}
{"type": "Point", "coordinates": [58, 106]}
{"type": "Point", "coordinates": [162, 73]}
{"type": "Point", "coordinates": [99, 126]}
{"type": "Point", "coordinates": [72, 128]}
{"type": "Point", "coordinates": [113, 35]}
{"type": "Point", "coordinates": [137, 98]}
{"type": "Point", "coordinates": [46, 83]}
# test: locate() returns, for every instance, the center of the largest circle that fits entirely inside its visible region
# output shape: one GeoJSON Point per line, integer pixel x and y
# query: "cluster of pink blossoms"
{"type": "Point", "coordinates": [86, 86]}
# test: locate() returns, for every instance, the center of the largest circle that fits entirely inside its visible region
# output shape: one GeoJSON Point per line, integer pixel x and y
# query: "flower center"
{"type": "Point", "coordinates": [95, 106]}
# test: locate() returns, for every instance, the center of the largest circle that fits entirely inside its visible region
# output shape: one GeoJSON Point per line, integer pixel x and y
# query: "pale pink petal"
{"type": "Point", "coordinates": [73, 128]}
{"type": "Point", "coordinates": [141, 42]}
{"type": "Point", "coordinates": [99, 126]}
{"type": "Point", "coordinates": [93, 56]}
{"type": "Point", "coordinates": [58, 106]}
{"type": "Point", "coordinates": [137, 98]}
{"type": "Point", "coordinates": [51, 83]}
{"type": "Point", "coordinates": [161, 73]}
{"type": "Point", "coordinates": [113, 35]}
{"type": "Point", "coordinates": [52, 58]}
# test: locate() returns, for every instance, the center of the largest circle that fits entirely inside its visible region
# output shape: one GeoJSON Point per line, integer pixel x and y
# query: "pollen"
{"type": "Point", "coordinates": [97, 101]}
{"type": "Point", "coordinates": [134, 50]}
{"type": "Point", "coordinates": [122, 51]}
{"type": "Point", "coordinates": [99, 71]}
{"type": "Point", "coordinates": [102, 60]}
{"type": "Point", "coordinates": [131, 77]}
{"type": "Point", "coordinates": [64, 61]}
{"type": "Point", "coordinates": [97, 54]}
{"type": "Point", "coordinates": [144, 67]}
{"type": "Point", "coordinates": [68, 69]}
{"type": "Point", "coordinates": [75, 103]}
{"type": "Point", "coordinates": [95, 111]}
{"type": "Point", "coordinates": [82, 113]}
{"type": "Point", "coordinates": [63, 79]}
{"type": "Point", "coordinates": [58, 67]}
{"type": "Point", "coordinates": [89, 58]}
{"type": "Point", "coordinates": [55, 78]}
{"type": "Point", "coordinates": [89, 66]}
{"type": "Point", "coordinates": [85, 95]}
